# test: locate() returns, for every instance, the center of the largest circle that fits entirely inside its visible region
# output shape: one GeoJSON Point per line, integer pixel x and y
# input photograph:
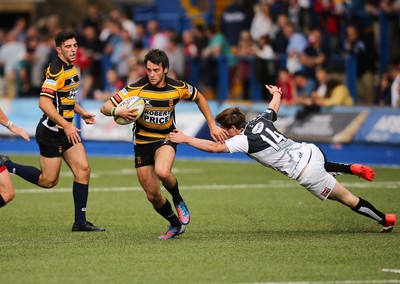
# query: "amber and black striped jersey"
{"type": "Point", "coordinates": [61, 82]}
{"type": "Point", "coordinates": [158, 118]}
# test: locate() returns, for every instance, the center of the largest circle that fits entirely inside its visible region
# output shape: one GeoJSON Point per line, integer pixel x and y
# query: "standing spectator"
{"type": "Point", "coordinates": [297, 42]}
{"type": "Point", "coordinates": [123, 50]}
{"type": "Point", "coordinates": [156, 38]}
{"type": "Point", "coordinates": [383, 94]}
{"type": "Point", "coordinates": [394, 73]}
{"type": "Point", "coordinates": [262, 23]}
{"type": "Point", "coordinates": [280, 42]}
{"type": "Point", "coordinates": [314, 55]}
{"type": "Point", "coordinates": [113, 85]}
{"type": "Point", "coordinates": [176, 57]}
{"type": "Point", "coordinates": [366, 64]}
{"type": "Point", "coordinates": [244, 52]}
{"type": "Point", "coordinates": [234, 19]}
{"type": "Point", "coordinates": [41, 60]}
{"type": "Point", "coordinates": [11, 52]}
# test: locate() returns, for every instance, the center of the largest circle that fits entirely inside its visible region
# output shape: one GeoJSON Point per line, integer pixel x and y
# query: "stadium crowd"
{"type": "Point", "coordinates": [299, 45]}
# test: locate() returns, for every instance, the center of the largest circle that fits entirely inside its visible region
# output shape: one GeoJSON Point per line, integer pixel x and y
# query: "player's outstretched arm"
{"type": "Point", "coordinates": [178, 136]}
{"type": "Point", "coordinates": [12, 127]}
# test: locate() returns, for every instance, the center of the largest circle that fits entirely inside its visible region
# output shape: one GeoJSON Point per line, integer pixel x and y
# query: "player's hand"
{"type": "Point", "coordinates": [89, 118]}
{"type": "Point", "coordinates": [273, 89]}
{"type": "Point", "coordinates": [20, 132]}
{"type": "Point", "coordinates": [177, 136]}
{"type": "Point", "coordinates": [218, 134]}
{"type": "Point", "coordinates": [72, 134]}
{"type": "Point", "coordinates": [127, 113]}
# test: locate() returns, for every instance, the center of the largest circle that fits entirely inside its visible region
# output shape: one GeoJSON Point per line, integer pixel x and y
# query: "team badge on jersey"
{"type": "Point", "coordinates": [258, 128]}
{"type": "Point", "coordinates": [171, 102]}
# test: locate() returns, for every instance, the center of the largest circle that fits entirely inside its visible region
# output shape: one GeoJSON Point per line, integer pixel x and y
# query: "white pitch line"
{"type": "Point", "coordinates": [138, 188]}
{"type": "Point", "coordinates": [272, 184]}
{"type": "Point", "coordinates": [390, 270]}
{"type": "Point", "coordinates": [386, 281]}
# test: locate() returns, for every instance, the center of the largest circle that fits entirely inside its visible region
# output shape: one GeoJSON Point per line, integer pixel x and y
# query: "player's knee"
{"type": "Point", "coordinates": [48, 183]}
{"type": "Point", "coordinates": [7, 197]}
{"type": "Point", "coordinates": [163, 174]}
{"type": "Point", "coordinates": [154, 199]}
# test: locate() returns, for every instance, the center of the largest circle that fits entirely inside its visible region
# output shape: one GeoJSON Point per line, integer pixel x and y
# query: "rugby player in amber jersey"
{"type": "Point", "coordinates": [304, 162]}
{"type": "Point", "coordinates": [154, 155]}
{"type": "Point", "coordinates": [56, 134]}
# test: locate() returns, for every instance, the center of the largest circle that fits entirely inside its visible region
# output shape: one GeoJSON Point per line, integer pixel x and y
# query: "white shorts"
{"type": "Point", "coordinates": [315, 178]}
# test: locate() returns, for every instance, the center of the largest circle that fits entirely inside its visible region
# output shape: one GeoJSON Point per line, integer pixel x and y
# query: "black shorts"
{"type": "Point", "coordinates": [144, 153]}
{"type": "Point", "coordinates": [51, 144]}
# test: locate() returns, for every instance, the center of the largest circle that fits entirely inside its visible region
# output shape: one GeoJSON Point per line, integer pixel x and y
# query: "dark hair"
{"type": "Point", "coordinates": [231, 116]}
{"type": "Point", "coordinates": [157, 56]}
{"type": "Point", "coordinates": [63, 36]}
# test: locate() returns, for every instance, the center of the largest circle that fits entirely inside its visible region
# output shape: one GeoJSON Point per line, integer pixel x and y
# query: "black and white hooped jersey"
{"type": "Point", "coordinates": [60, 84]}
{"type": "Point", "coordinates": [261, 141]}
{"type": "Point", "coordinates": [158, 118]}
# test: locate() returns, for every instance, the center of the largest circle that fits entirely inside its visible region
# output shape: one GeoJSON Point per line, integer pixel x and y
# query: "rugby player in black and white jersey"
{"type": "Point", "coordinates": [56, 134]}
{"type": "Point", "coordinates": [304, 162]}
{"type": "Point", "coordinates": [154, 155]}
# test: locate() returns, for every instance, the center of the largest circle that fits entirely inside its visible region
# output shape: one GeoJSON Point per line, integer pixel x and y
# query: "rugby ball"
{"type": "Point", "coordinates": [131, 102]}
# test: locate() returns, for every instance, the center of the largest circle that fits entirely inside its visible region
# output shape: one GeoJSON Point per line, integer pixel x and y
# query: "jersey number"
{"type": "Point", "coordinates": [277, 137]}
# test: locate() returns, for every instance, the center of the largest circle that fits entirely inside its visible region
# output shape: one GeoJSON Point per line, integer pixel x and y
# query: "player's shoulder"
{"type": "Point", "coordinates": [179, 84]}
{"type": "Point", "coordinates": [55, 67]}
{"type": "Point", "coordinates": [140, 83]}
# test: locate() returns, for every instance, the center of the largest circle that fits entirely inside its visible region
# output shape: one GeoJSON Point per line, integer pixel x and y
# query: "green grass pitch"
{"type": "Point", "coordinates": [249, 224]}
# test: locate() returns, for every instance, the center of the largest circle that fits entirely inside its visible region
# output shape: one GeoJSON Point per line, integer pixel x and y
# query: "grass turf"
{"type": "Point", "coordinates": [249, 224]}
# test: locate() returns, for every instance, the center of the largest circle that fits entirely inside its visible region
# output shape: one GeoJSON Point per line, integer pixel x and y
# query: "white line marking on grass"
{"type": "Point", "coordinates": [131, 171]}
{"type": "Point", "coordinates": [273, 184]}
{"type": "Point", "coordinates": [337, 282]}
{"type": "Point", "coordinates": [390, 270]}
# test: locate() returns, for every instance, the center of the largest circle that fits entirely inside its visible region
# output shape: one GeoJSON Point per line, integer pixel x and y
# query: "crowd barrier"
{"type": "Point", "coordinates": [348, 134]}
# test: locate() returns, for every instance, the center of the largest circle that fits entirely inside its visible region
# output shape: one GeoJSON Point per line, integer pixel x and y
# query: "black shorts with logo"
{"type": "Point", "coordinates": [51, 144]}
{"type": "Point", "coordinates": [144, 153]}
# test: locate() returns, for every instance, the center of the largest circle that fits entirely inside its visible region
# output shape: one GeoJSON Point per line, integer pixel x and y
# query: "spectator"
{"type": "Point", "coordinates": [383, 95]}
{"type": "Point", "coordinates": [304, 88]}
{"type": "Point", "coordinates": [156, 39]}
{"type": "Point", "coordinates": [176, 57]}
{"type": "Point", "coordinates": [394, 73]}
{"type": "Point", "coordinates": [11, 52]}
{"type": "Point", "coordinates": [123, 50]}
{"type": "Point", "coordinates": [280, 42]}
{"type": "Point", "coordinates": [200, 38]}
{"type": "Point", "coordinates": [337, 94]}
{"type": "Point", "coordinates": [366, 60]}
{"type": "Point", "coordinates": [297, 42]}
{"type": "Point", "coordinates": [314, 55]}
{"type": "Point", "coordinates": [235, 19]}
{"type": "Point", "coordinates": [113, 85]}
{"type": "Point", "coordinates": [218, 49]}
{"type": "Point", "coordinates": [244, 52]}
{"type": "Point", "coordinates": [23, 71]}
{"type": "Point", "coordinates": [262, 23]}
{"type": "Point", "coordinates": [286, 83]}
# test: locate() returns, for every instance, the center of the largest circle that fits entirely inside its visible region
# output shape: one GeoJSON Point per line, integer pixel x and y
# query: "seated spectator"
{"type": "Point", "coordinates": [383, 95]}
{"type": "Point", "coordinates": [286, 83]}
{"type": "Point", "coordinates": [337, 94]}
{"type": "Point", "coordinates": [304, 88]}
